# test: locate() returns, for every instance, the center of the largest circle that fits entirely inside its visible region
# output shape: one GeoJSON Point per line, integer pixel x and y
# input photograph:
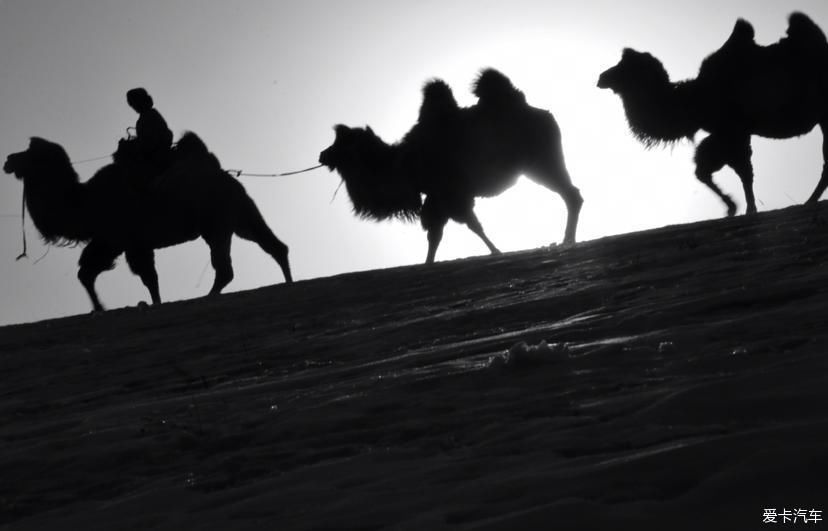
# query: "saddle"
{"type": "Point", "coordinates": [143, 169]}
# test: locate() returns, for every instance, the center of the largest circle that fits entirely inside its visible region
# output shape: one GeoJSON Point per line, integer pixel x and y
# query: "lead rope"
{"type": "Point", "coordinates": [23, 226]}
{"type": "Point", "coordinates": [241, 173]}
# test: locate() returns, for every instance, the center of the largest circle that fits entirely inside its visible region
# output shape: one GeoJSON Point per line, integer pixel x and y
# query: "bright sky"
{"type": "Point", "coordinates": [263, 82]}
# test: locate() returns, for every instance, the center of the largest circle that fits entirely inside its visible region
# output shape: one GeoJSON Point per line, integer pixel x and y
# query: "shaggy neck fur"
{"type": "Point", "coordinates": [661, 112]}
{"type": "Point", "coordinates": [56, 201]}
{"type": "Point", "coordinates": [376, 185]}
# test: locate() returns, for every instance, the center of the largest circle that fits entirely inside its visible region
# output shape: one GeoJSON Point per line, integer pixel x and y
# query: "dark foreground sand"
{"type": "Point", "coordinates": [683, 386]}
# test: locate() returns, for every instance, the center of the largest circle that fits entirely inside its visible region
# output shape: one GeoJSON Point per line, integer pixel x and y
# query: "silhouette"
{"type": "Point", "coordinates": [452, 155]}
{"type": "Point", "coordinates": [193, 198]}
{"type": "Point", "coordinates": [153, 139]}
{"type": "Point", "coordinates": [742, 89]}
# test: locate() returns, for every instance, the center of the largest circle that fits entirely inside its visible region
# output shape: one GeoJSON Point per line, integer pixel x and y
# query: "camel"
{"type": "Point", "coordinates": [119, 211]}
{"type": "Point", "coordinates": [742, 89]}
{"type": "Point", "coordinates": [451, 156]}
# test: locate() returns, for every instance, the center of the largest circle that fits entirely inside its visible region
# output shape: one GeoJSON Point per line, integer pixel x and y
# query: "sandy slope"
{"type": "Point", "coordinates": [686, 388]}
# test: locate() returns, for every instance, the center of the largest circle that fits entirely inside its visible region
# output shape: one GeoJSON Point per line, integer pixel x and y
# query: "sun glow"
{"type": "Point", "coordinates": [626, 187]}
{"type": "Point", "coordinates": [598, 148]}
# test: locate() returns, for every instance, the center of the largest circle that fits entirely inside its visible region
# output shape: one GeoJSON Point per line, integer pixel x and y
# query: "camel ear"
{"type": "Point", "coordinates": [340, 129]}
{"type": "Point", "coordinates": [368, 128]}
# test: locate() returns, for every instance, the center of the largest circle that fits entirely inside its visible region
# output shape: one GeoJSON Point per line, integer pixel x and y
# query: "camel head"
{"type": "Point", "coordinates": [369, 168]}
{"type": "Point", "coordinates": [13, 164]}
{"type": "Point", "coordinates": [353, 148]}
{"type": "Point", "coordinates": [634, 71]}
{"type": "Point", "coordinates": [42, 157]}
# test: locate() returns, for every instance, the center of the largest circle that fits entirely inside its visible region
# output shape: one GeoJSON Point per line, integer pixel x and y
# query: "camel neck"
{"type": "Point", "coordinates": [662, 113]}
{"type": "Point", "coordinates": [58, 209]}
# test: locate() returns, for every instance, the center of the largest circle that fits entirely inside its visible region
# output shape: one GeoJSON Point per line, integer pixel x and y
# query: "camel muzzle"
{"type": "Point", "coordinates": [605, 80]}
{"type": "Point", "coordinates": [8, 167]}
{"type": "Point", "coordinates": [325, 159]}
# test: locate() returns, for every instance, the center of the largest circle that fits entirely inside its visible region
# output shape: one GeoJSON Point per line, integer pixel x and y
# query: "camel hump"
{"type": "Point", "coordinates": [49, 151]}
{"type": "Point", "coordinates": [438, 100]}
{"type": "Point", "coordinates": [492, 86]}
{"type": "Point", "coordinates": [801, 28]}
{"type": "Point", "coordinates": [742, 33]}
{"type": "Point", "coordinates": [191, 147]}
{"type": "Point", "coordinates": [191, 143]}
{"type": "Point", "coordinates": [735, 55]}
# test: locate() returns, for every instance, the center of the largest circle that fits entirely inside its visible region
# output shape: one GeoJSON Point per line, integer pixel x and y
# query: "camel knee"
{"type": "Point", "coordinates": [87, 277]}
{"type": "Point", "coordinates": [704, 175]}
{"type": "Point", "coordinates": [280, 252]}
{"type": "Point", "coordinates": [435, 235]}
{"type": "Point", "coordinates": [709, 158]}
{"type": "Point", "coordinates": [573, 199]}
{"type": "Point", "coordinates": [88, 273]}
{"type": "Point", "coordinates": [223, 266]}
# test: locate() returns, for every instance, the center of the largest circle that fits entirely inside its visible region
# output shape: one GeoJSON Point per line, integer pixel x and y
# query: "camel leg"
{"type": "Point", "coordinates": [471, 221]}
{"type": "Point", "coordinates": [711, 156]}
{"type": "Point", "coordinates": [433, 218]}
{"type": "Point", "coordinates": [435, 235]}
{"type": "Point", "coordinates": [552, 174]}
{"type": "Point", "coordinates": [823, 181]}
{"type": "Point", "coordinates": [571, 196]}
{"type": "Point", "coordinates": [220, 258]}
{"type": "Point", "coordinates": [255, 229]}
{"type": "Point", "coordinates": [142, 263]}
{"type": "Point", "coordinates": [94, 260]}
{"type": "Point", "coordinates": [739, 160]}
{"type": "Point", "coordinates": [574, 201]}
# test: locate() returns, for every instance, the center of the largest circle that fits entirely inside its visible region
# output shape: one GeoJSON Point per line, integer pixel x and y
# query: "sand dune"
{"type": "Point", "coordinates": [682, 386]}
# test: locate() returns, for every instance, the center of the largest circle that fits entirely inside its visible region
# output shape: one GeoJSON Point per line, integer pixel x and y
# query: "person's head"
{"type": "Point", "coordinates": [139, 99]}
